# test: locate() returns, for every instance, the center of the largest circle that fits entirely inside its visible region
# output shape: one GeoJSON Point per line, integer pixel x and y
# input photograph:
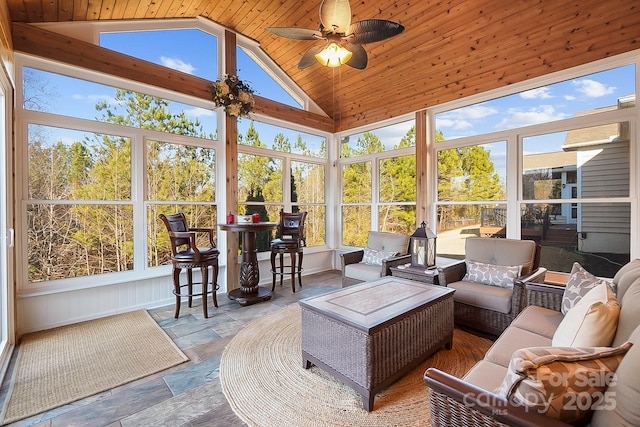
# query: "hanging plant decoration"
{"type": "Point", "coordinates": [234, 95]}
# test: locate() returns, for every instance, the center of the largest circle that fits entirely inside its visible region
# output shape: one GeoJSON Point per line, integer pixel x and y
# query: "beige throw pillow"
{"type": "Point", "coordinates": [562, 382]}
{"type": "Point", "coordinates": [592, 322]}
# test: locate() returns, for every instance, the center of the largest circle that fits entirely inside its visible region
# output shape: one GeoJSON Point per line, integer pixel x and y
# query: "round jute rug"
{"type": "Point", "coordinates": [263, 379]}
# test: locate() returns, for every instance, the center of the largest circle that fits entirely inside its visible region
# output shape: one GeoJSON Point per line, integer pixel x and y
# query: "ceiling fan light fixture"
{"type": "Point", "coordinates": [333, 55]}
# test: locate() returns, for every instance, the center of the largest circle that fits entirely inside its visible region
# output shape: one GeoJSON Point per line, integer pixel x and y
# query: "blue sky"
{"type": "Point", "coordinates": [194, 52]}
{"type": "Point", "coordinates": [541, 105]}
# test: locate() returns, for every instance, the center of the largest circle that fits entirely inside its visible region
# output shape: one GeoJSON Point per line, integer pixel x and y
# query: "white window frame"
{"type": "Point", "coordinates": [138, 189]}
{"type": "Point", "coordinates": [375, 158]}
{"type": "Point", "coordinates": [514, 140]}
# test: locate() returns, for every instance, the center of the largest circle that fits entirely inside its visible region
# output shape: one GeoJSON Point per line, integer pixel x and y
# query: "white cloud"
{"type": "Point", "coordinates": [592, 88]}
{"type": "Point", "coordinates": [473, 112]}
{"type": "Point", "coordinates": [569, 97]}
{"type": "Point", "coordinates": [462, 118]}
{"type": "Point", "coordinates": [198, 112]}
{"type": "Point", "coordinates": [542, 114]}
{"type": "Point", "coordinates": [94, 98]}
{"type": "Point", "coordinates": [539, 93]}
{"type": "Point", "coordinates": [177, 64]}
{"type": "Point", "coordinates": [453, 124]}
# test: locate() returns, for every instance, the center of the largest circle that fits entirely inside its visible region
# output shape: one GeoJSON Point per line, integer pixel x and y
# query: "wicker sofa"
{"type": "Point", "coordinates": [487, 308]}
{"type": "Point", "coordinates": [392, 250]}
{"type": "Point", "coordinates": [471, 400]}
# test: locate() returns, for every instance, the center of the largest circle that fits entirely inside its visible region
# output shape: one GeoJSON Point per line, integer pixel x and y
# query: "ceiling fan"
{"type": "Point", "coordinates": [343, 39]}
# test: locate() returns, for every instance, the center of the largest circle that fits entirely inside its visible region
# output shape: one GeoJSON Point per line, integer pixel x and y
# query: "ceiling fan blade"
{"type": "Point", "coordinates": [335, 15]}
{"type": "Point", "coordinates": [295, 33]}
{"type": "Point", "coordinates": [373, 30]}
{"type": "Point", "coordinates": [359, 58]}
{"type": "Point", "coordinates": [309, 58]}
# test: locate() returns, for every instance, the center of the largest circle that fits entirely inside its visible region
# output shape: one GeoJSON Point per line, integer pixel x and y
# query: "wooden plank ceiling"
{"type": "Point", "coordinates": [449, 49]}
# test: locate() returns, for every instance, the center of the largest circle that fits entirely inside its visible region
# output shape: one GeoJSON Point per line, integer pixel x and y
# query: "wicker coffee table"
{"type": "Point", "coordinates": [371, 334]}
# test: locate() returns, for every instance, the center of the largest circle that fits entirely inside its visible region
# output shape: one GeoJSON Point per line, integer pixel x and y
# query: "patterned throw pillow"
{"type": "Point", "coordinates": [562, 382]}
{"type": "Point", "coordinates": [580, 282]}
{"type": "Point", "coordinates": [494, 275]}
{"type": "Point", "coordinates": [373, 257]}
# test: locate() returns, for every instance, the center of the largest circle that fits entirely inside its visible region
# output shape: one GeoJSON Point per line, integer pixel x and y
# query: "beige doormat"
{"type": "Point", "coordinates": [62, 365]}
{"type": "Point", "coordinates": [263, 379]}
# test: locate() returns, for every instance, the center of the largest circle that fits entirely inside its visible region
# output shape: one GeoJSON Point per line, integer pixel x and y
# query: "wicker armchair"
{"type": "Point", "coordinates": [483, 307]}
{"type": "Point", "coordinates": [354, 270]}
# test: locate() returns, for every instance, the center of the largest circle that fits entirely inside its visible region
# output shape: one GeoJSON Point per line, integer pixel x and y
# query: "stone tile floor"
{"type": "Point", "coordinates": [189, 394]}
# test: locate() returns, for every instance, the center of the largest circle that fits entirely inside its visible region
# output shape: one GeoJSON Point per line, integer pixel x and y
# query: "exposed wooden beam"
{"type": "Point", "coordinates": [231, 166]}
{"type": "Point", "coordinates": [36, 41]}
{"type": "Point", "coordinates": [422, 211]}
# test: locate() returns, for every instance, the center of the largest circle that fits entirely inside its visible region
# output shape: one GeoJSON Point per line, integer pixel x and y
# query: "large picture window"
{"type": "Point", "coordinates": [378, 182]}
{"type": "Point", "coordinates": [569, 187]}
{"type": "Point", "coordinates": [80, 220]}
{"type": "Point", "coordinates": [94, 188]}
{"type": "Point", "coordinates": [282, 169]}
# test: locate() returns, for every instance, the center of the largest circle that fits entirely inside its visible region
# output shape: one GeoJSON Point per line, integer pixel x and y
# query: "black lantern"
{"type": "Point", "coordinates": [423, 247]}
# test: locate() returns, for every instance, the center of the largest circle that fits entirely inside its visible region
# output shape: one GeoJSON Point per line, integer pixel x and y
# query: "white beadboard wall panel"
{"type": "Point", "coordinates": [40, 312]}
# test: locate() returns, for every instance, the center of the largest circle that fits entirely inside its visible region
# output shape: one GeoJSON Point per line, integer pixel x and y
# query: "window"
{"type": "Point", "coordinates": [575, 175]}
{"type": "Point", "coordinates": [588, 94]}
{"type": "Point", "coordinates": [180, 178]}
{"type": "Point", "coordinates": [252, 72]}
{"type": "Point", "coordinates": [80, 217]}
{"type": "Point", "coordinates": [188, 50]}
{"type": "Point", "coordinates": [471, 182]}
{"type": "Point", "coordinates": [569, 186]}
{"type": "Point", "coordinates": [70, 96]}
{"type": "Point", "coordinates": [94, 188]}
{"type": "Point", "coordinates": [378, 182]}
{"type": "Point", "coordinates": [287, 175]}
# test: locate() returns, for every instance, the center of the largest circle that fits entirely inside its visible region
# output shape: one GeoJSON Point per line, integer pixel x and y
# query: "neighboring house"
{"type": "Point", "coordinates": [577, 172]}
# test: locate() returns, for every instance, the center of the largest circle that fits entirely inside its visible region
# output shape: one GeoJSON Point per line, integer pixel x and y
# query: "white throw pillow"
{"type": "Point", "coordinates": [592, 322]}
{"type": "Point", "coordinates": [373, 257]}
{"type": "Point", "coordinates": [489, 274]}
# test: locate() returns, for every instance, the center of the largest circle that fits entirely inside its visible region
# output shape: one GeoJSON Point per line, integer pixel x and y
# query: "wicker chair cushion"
{"type": "Point", "coordinates": [490, 274]}
{"type": "Point", "coordinates": [539, 320]}
{"type": "Point", "coordinates": [630, 316]}
{"type": "Point", "coordinates": [479, 295]}
{"type": "Point", "coordinates": [374, 257]}
{"type": "Point", "coordinates": [626, 276]}
{"type": "Point", "coordinates": [362, 271]}
{"type": "Point", "coordinates": [383, 241]}
{"type": "Point", "coordinates": [502, 252]}
{"type": "Point", "coordinates": [580, 282]}
{"type": "Point", "coordinates": [513, 339]}
{"type": "Point", "coordinates": [626, 391]}
{"type": "Point", "coordinates": [592, 322]}
{"type": "Point", "coordinates": [485, 374]}
{"type": "Point", "coordinates": [563, 382]}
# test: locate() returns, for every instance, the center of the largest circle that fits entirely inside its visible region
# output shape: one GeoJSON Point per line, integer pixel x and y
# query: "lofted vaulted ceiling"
{"type": "Point", "coordinates": [449, 49]}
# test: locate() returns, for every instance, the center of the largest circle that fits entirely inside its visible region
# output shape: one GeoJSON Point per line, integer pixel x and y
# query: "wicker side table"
{"type": "Point", "coordinates": [371, 334]}
{"type": "Point", "coordinates": [416, 274]}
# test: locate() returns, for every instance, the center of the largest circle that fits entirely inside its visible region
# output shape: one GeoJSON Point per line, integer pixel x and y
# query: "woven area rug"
{"type": "Point", "coordinates": [62, 365]}
{"type": "Point", "coordinates": [263, 379]}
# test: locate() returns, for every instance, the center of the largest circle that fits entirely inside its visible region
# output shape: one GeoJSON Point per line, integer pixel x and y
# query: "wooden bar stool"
{"type": "Point", "coordinates": [186, 254]}
{"type": "Point", "coordinates": [290, 240]}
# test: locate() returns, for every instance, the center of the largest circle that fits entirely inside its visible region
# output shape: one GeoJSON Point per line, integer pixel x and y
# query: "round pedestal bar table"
{"type": "Point", "coordinates": [249, 292]}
